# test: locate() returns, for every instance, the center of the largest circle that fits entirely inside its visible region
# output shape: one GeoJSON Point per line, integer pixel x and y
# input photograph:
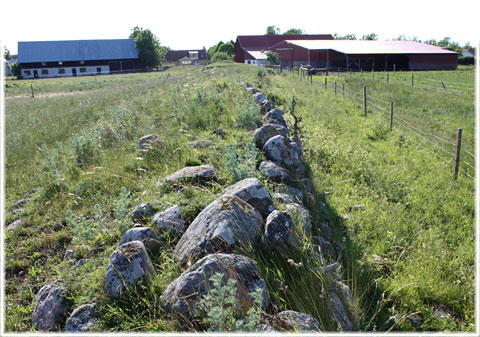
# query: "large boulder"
{"type": "Point", "coordinates": [129, 264]}
{"type": "Point", "coordinates": [182, 296]}
{"type": "Point", "coordinates": [280, 149]}
{"type": "Point", "coordinates": [170, 220]}
{"type": "Point", "coordinates": [146, 235]}
{"type": "Point", "coordinates": [82, 319]}
{"type": "Point", "coordinates": [267, 131]}
{"type": "Point", "coordinates": [51, 307]}
{"type": "Point", "coordinates": [259, 97]}
{"type": "Point", "coordinates": [253, 192]}
{"type": "Point", "coordinates": [266, 105]}
{"type": "Point", "coordinates": [296, 322]}
{"type": "Point", "coordinates": [279, 230]}
{"type": "Point", "coordinates": [227, 223]}
{"type": "Point", "coordinates": [202, 172]}
{"type": "Point", "coordinates": [274, 171]}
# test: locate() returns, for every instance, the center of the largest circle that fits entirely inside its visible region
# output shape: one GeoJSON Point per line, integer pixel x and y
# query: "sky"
{"type": "Point", "coordinates": [187, 24]}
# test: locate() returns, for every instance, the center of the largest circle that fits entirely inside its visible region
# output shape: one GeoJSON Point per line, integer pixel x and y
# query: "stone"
{"type": "Point", "coordinates": [279, 230]}
{"type": "Point", "coordinates": [267, 131]}
{"type": "Point", "coordinates": [184, 293]}
{"type": "Point", "coordinates": [274, 114]}
{"type": "Point", "coordinates": [129, 264]}
{"type": "Point", "coordinates": [146, 235]}
{"type": "Point", "coordinates": [251, 90]}
{"type": "Point", "coordinates": [19, 204]}
{"type": "Point", "coordinates": [148, 141]}
{"type": "Point", "coordinates": [16, 224]}
{"type": "Point", "coordinates": [284, 198]}
{"type": "Point", "coordinates": [266, 106]}
{"type": "Point", "coordinates": [80, 263]}
{"type": "Point", "coordinates": [339, 314]}
{"type": "Point", "coordinates": [356, 207]}
{"type": "Point", "coordinates": [196, 144]}
{"type": "Point", "coordinates": [170, 220]}
{"type": "Point", "coordinates": [140, 212]}
{"type": "Point", "coordinates": [259, 97]}
{"type": "Point", "coordinates": [279, 149]}
{"type": "Point", "coordinates": [51, 307]}
{"type": "Point", "coordinates": [301, 217]}
{"type": "Point", "coordinates": [68, 255]}
{"type": "Point", "coordinates": [296, 321]}
{"type": "Point", "coordinates": [202, 172]}
{"type": "Point", "coordinates": [82, 319]}
{"type": "Point", "coordinates": [227, 223]}
{"type": "Point", "coordinates": [325, 248]}
{"type": "Point", "coordinates": [274, 171]}
{"type": "Point", "coordinates": [219, 132]}
{"type": "Point", "coordinates": [252, 191]}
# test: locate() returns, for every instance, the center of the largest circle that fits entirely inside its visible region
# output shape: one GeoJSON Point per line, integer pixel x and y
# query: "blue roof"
{"type": "Point", "coordinates": [77, 50]}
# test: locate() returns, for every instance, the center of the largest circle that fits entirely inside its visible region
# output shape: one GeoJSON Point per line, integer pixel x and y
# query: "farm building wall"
{"type": "Point", "coordinates": [433, 62]}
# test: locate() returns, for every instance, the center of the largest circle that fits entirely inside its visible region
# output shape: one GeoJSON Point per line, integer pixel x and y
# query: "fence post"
{"type": "Point", "coordinates": [311, 79]}
{"type": "Point", "coordinates": [338, 71]}
{"type": "Point", "coordinates": [325, 83]}
{"type": "Point", "coordinates": [391, 116]}
{"type": "Point", "coordinates": [457, 153]}
{"type": "Point", "coordinates": [412, 80]}
{"type": "Point", "coordinates": [394, 68]}
{"type": "Point", "coordinates": [335, 87]}
{"type": "Point", "coordinates": [443, 86]}
{"type": "Point", "coordinates": [31, 87]}
{"type": "Point", "coordinates": [365, 100]}
{"type": "Point", "coordinates": [343, 90]}
{"type": "Point", "coordinates": [387, 77]}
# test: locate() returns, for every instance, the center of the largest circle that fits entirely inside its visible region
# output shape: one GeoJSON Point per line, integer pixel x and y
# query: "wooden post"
{"type": "Point", "coordinates": [31, 87]}
{"type": "Point", "coordinates": [338, 71]}
{"type": "Point", "coordinates": [335, 87]}
{"type": "Point", "coordinates": [391, 116]}
{"type": "Point", "coordinates": [365, 100]}
{"type": "Point", "coordinates": [443, 86]}
{"type": "Point", "coordinates": [311, 79]}
{"type": "Point", "coordinates": [394, 68]}
{"type": "Point", "coordinates": [325, 83]}
{"type": "Point", "coordinates": [387, 77]}
{"type": "Point", "coordinates": [412, 80]}
{"type": "Point", "coordinates": [350, 73]}
{"type": "Point", "coordinates": [457, 153]}
{"type": "Point", "coordinates": [343, 90]}
{"type": "Point", "coordinates": [373, 74]}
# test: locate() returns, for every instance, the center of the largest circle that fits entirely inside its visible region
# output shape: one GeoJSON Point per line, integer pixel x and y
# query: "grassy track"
{"type": "Point", "coordinates": [409, 251]}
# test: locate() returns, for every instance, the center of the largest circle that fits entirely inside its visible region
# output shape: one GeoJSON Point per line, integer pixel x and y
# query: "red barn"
{"type": "Point", "coordinates": [251, 48]}
{"type": "Point", "coordinates": [366, 55]}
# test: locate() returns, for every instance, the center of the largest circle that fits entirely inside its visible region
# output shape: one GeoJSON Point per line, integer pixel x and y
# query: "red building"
{"type": "Point", "coordinates": [251, 49]}
{"type": "Point", "coordinates": [366, 55]}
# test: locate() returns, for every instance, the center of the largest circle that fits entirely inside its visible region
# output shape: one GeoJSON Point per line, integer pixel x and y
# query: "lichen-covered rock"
{"type": "Point", "coordinates": [142, 211]}
{"type": "Point", "coordinates": [251, 90]}
{"type": "Point", "coordinates": [274, 171]}
{"type": "Point", "coordinates": [146, 235]}
{"type": "Point", "coordinates": [259, 97]}
{"type": "Point", "coordinates": [202, 143]}
{"type": "Point", "coordinates": [296, 322]}
{"type": "Point", "coordinates": [253, 192]}
{"type": "Point", "coordinates": [228, 222]}
{"type": "Point", "coordinates": [170, 221]}
{"type": "Point", "coordinates": [51, 307]}
{"type": "Point", "coordinates": [279, 230]}
{"type": "Point", "coordinates": [68, 254]}
{"type": "Point", "coordinates": [339, 314]}
{"type": "Point", "coordinates": [148, 141]}
{"type": "Point", "coordinates": [280, 149]}
{"type": "Point", "coordinates": [182, 296]}
{"type": "Point", "coordinates": [267, 131]}
{"type": "Point", "coordinates": [219, 132]}
{"type": "Point", "coordinates": [202, 172]}
{"type": "Point", "coordinates": [16, 224]}
{"type": "Point", "coordinates": [274, 114]}
{"type": "Point", "coordinates": [82, 319]}
{"type": "Point", "coordinates": [266, 106]}
{"type": "Point", "coordinates": [129, 264]}
{"type": "Point", "coordinates": [324, 247]}
{"type": "Point", "coordinates": [301, 216]}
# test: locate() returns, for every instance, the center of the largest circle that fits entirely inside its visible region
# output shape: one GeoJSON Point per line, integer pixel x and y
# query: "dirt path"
{"type": "Point", "coordinates": [53, 94]}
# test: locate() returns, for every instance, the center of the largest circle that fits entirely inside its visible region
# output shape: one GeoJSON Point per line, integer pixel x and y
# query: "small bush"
{"type": "Point", "coordinates": [241, 162]}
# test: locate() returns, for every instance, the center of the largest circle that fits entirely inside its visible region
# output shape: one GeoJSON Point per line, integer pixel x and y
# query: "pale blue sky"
{"type": "Point", "coordinates": [186, 24]}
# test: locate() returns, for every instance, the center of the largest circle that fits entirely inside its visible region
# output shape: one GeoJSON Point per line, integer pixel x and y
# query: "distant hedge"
{"type": "Point", "coordinates": [466, 60]}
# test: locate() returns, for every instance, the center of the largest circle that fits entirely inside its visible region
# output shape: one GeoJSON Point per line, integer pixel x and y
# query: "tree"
{"type": "Point", "coordinates": [15, 69]}
{"type": "Point", "coordinates": [345, 37]}
{"type": "Point", "coordinates": [294, 31]}
{"type": "Point", "coordinates": [221, 51]}
{"type": "Point", "coordinates": [272, 58]}
{"type": "Point", "coordinates": [150, 52]}
{"type": "Point", "coordinates": [6, 54]}
{"type": "Point", "coordinates": [371, 36]}
{"type": "Point", "coordinates": [272, 30]}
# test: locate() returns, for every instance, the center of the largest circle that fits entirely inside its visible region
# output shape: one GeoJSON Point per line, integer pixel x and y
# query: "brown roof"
{"type": "Point", "coordinates": [175, 55]}
{"type": "Point", "coordinates": [264, 42]}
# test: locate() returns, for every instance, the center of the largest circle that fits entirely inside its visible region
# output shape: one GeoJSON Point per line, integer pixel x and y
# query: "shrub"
{"type": "Point", "coordinates": [223, 313]}
{"type": "Point", "coordinates": [241, 162]}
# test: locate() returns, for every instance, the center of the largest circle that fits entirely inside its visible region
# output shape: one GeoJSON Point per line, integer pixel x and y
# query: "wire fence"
{"type": "Point", "coordinates": [443, 149]}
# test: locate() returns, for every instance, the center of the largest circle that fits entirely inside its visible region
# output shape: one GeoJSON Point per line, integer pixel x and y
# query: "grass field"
{"type": "Point", "coordinates": [409, 249]}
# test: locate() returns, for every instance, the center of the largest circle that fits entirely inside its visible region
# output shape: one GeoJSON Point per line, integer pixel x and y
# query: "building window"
{"type": "Point", "coordinates": [61, 71]}
{"type": "Point", "coordinates": [27, 73]}
{"type": "Point", "coordinates": [248, 62]}
{"type": "Point", "coordinates": [83, 70]}
{"type": "Point", "coordinates": [60, 62]}
{"type": "Point", "coordinates": [45, 72]}
{"type": "Point", "coordinates": [99, 71]}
